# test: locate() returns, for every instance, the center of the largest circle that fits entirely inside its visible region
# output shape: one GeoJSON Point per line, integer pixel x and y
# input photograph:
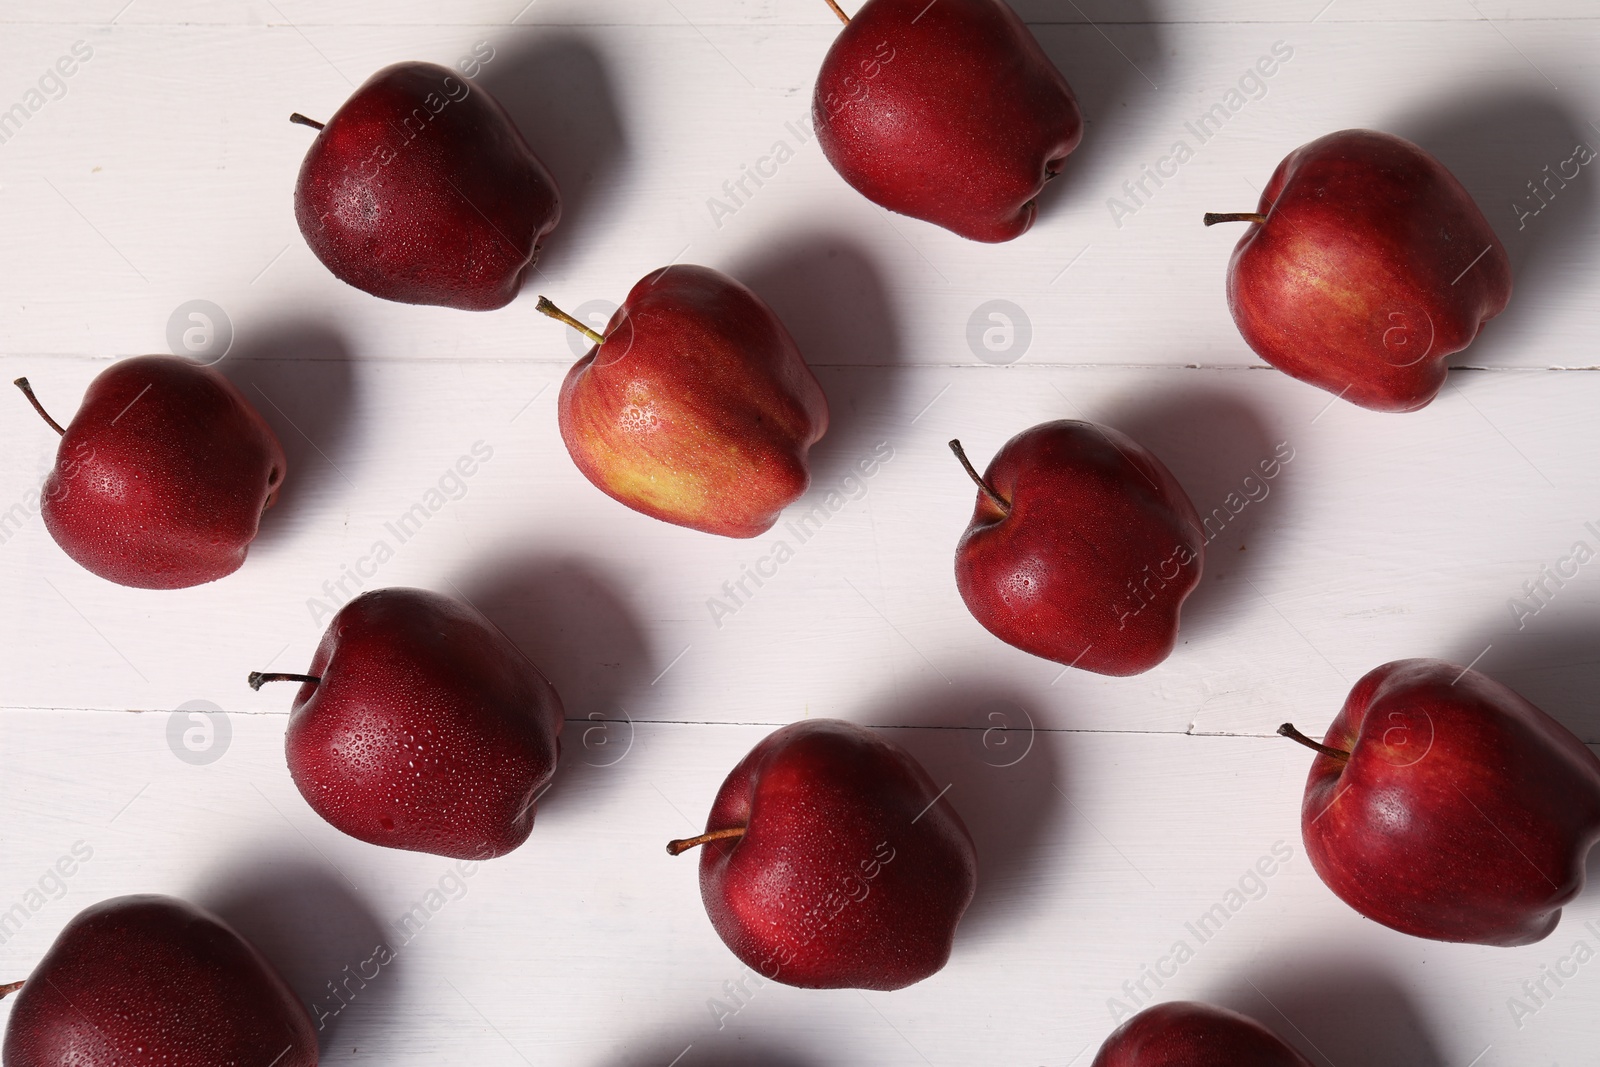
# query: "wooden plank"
{"type": "Point", "coordinates": [188, 195]}
{"type": "Point", "coordinates": [1365, 547]}
{"type": "Point", "coordinates": [589, 944]}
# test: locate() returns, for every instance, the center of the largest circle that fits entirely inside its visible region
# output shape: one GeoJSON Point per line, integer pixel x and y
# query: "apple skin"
{"type": "Point", "coordinates": [699, 409]}
{"type": "Point", "coordinates": [421, 189]}
{"type": "Point", "coordinates": [1358, 282]}
{"type": "Point", "coordinates": [1188, 1034]}
{"type": "Point", "coordinates": [836, 883]}
{"type": "Point", "coordinates": [162, 475]}
{"type": "Point", "coordinates": [956, 117]}
{"type": "Point", "coordinates": [1464, 813]}
{"type": "Point", "coordinates": [1092, 564]}
{"type": "Point", "coordinates": [151, 981]}
{"type": "Point", "coordinates": [411, 677]}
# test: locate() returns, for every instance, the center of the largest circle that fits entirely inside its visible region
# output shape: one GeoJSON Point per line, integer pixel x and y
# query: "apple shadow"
{"type": "Point", "coordinates": [1213, 441]}
{"type": "Point", "coordinates": [299, 376]}
{"type": "Point", "coordinates": [717, 1048]}
{"type": "Point", "coordinates": [311, 924]}
{"type": "Point", "coordinates": [1591, 871]}
{"type": "Point", "coordinates": [1554, 662]}
{"type": "Point", "coordinates": [585, 636]}
{"type": "Point", "coordinates": [1496, 141]}
{"type": "Point", "coordinates": [985, 741]}
{"type": "Point", "coordinates": [557, 89]}
{"type": "Point", "coordinates": [829, 291]}
{"type": "Point", "coordinates": [1340, 1013]}
{"type": "Point", "coordinates": [1111, 69]}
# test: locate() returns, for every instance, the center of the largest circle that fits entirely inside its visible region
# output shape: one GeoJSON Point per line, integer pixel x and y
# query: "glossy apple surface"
{"type": "Point", "coordinates": [1089, 553]}
{"type": "Point", "coordinates": [947, 112]}
{"type": "Point", "coordinates": [420, 189]}
{"type": "Point", "coordinates": [150, 981]}
{"type": "Point", "coordinates": [698, 408]}
{"type": "Point", "coordinates": [428, 729]}
{"type": "Point", "coordinates": [1462, 813]}
{"type": "Point", "coordinates": [162, 475]}
{"type": "Point", "coordinates": [852, 871]}
{"type": "Point", "coordinates": [1188, 1034]}
{"type": "Point", "coordinates": [1373, 267]}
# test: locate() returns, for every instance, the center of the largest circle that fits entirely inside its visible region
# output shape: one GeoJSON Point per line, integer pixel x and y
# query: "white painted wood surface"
{"type": "Point", "coordinates": [164, 174]}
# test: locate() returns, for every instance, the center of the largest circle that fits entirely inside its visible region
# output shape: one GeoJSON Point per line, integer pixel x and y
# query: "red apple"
{"type": "Point", "coordinates": [832, 861]}
{"type": "Point", "coordinates": [694, 407]}
{"type": "Point", "coordinates": [1188, 1034]}
{"type": "Point", "coordinates": [421, 726]}
{"type": "Point", "coordinates": [1446, 806]}
{"type": "Point", "coordinates": [161, 477]}
{"type": "Point", "coordinates": [947, 112]}
{"type": "Point", "coordinates": [421, 189]}
{"type": "Point", "coordinates": [150, 981]}
{"type": "Point", "coordinates": [1082, 548]}
{"type": "Point", "coordinates": [1365, 267]}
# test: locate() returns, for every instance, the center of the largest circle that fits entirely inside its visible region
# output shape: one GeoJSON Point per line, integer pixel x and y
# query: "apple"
{"type": "Point", "coordinates": [1366, 266]}
{"type": "Point", "coordinates": [1444, 805]}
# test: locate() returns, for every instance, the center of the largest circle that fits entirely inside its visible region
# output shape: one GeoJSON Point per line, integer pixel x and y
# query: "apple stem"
{"type": "Point", "coordinates": [1214, 217]}
{"type": "Point", "coordinates": [7, 990]}
{"type": "Point", "coordinates": [258, 679]}
{"type": "Point", "coordinates": [999, 501]}
{"type": "Point", "coordinates": [301, 120]}
{"type": "Point", "coordinates": [1288, 730]}
{"type": "Point", "coordinates": [685, 844]}
{"type": "Point", "coordinates": [561, 316]}
{"type": "Point", "coordinates": [837, 10]}
{"type": "Point", "coordinates": [27, 391]}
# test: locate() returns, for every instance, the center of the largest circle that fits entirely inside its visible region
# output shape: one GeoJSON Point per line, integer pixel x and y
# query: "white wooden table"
{"type": "Point", "coordinates": [161, 173]}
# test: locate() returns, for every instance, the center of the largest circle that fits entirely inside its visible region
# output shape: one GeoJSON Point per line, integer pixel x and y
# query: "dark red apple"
{"type": "Point", "coordinates": [694, 407]}
{"type": "Point", "coordinates": [833, 861]}
{"type": "Point", "coordinates": [149, 981]}
{"type": "Point", "coordinates": [1082, 548]}
{"type": "Point", "coordinates": [1366, 266]}
{"type": "Point", "coordinates": [421, 189]}
{"type": "Point", "coordinates": [421, 726]}
{"type": "Point", "coordinates": [1188, 1034]}
{"type": "Point", "coordinates": [948, 112]}
{"type": "Point", "coordinates": [1446, 806]}
{"type": "Point", "coordinates": [162, 475]}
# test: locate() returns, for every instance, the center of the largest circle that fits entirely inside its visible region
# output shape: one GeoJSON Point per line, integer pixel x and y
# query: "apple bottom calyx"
{"type": "Point", "coordinates": [684, 844]}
